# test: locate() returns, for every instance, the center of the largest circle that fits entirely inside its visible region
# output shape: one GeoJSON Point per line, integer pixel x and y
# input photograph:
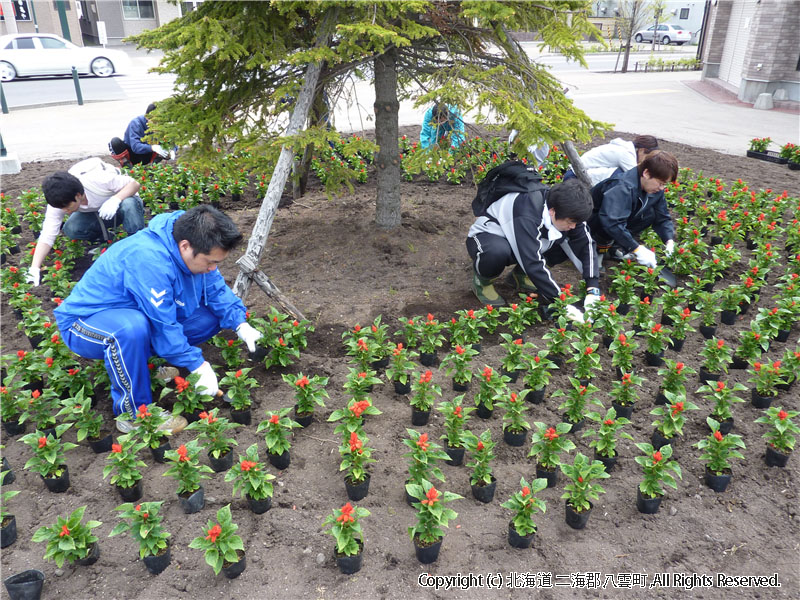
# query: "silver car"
{"type": "Point", "coordinates": [28, 54]}
{"type": "Point", "coordinates": [666, 34]}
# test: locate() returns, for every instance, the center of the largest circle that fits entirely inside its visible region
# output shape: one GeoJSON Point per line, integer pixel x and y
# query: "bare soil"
{"type": "Point", "coordinates": [339, 270]}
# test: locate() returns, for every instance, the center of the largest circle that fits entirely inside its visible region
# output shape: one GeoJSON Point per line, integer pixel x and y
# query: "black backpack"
{"type": "Point", "coordinates": [511, 176]}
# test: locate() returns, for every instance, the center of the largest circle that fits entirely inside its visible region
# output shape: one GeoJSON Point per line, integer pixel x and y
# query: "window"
{"type": "Point", "coordinates": [187, 7]}
{"type": "Point", "coordinates": [25, 43]}
{"type": "Point", "coordinates": [52, 44]}
{"type": "Point", "coordinates": [684, 14]}
{"type": "Point", "coordinates": [138, 9]}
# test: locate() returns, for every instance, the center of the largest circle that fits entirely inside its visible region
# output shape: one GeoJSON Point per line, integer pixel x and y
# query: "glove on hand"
{"type": "Point", "coordinates": [645, 256]}
{"type": "Point", "coordinates": [160, 151]}
{"type": "Point", "coordinates": [249, 335]}
{"type": "Point", "coordinates": [669, 247]}
{"type": "Point", "coordinates": [33, 277]}
{"type": "Point", "coordinates": [208, 380]}
{"type": "Point", "coordinates": [574, 314]}
{"type": "Point", "coordinates": [109, 208]}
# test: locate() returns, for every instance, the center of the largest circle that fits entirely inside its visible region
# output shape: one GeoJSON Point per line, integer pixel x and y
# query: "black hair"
{"type": "Point", "coordinates": [440, 111]}
{"type": "Point", "coordinates": [60, 189]}
{"type": "Point", "coordinates": [648, 143]}
{"type": "Point", "coordinates": [150, 108]}
{"type": "Point", "coordinates": [571, 200]}
{"type": "Point", "coordinates": [661, 165]}
{"type": "Point", "coordinates": [206, 228]}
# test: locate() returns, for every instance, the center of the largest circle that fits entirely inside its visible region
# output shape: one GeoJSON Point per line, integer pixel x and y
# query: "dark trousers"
{"type": "Point", "coordinates": [117, 147]}
{"type": "Point", "coordinates": [491, 254]}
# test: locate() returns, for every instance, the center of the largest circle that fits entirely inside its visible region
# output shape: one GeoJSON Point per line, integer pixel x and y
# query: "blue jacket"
{"type": "Point", "coordinates": [133, 135]}
{"type": "Point", "coordinates": [145, 272]}
{"type": "Point", "coordinates": [432, 132]}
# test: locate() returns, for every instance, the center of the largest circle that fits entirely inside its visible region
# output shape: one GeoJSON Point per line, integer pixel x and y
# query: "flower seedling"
{"type": "Point", "coordinates": [493, 387]}
{"type": "Point", "coordinates": [143, 523]}
{"type": "Point", "coordinates": [363, 351]}
{"type": "Point", "coordinates": [607, 435]}
{"type": "Point", "coordinates": [719, 449]}
{"type": "Point", "coordinates": [622, 348]}
{"type": "Point", "coordinates": [674, 376]}
{"type": "Point", "coordinates": [558, 339]}
{"type": "Point", "coordinates": [249, 476]}
{"type": "Point", "coordinates": [422, 457]}
{"type": "Point", "coordinates": [489, 317]}
{"type": "Point", "coordinates": [656, 337]}
{"type": "Point", "coordinates": [781, 428]}
{"type": "Point", "coordinates": [582, 487]}
{"type": "Point", "coordinates": [149, 417]}
{"type": "Point", "coordinates": [352, 417]}
{"type": "Point", "coordinates": [345, 527]}
{"type": "Point", "coordinates": [424, 392]}
{"type": "Point", "coordinates": [4, 498]}
{"type": "Point", "coordinates": [458, 363]}
{"type": "Point", "coordinates": [671, 418]}
{"type": "Point", "coordinates": [185, 467]}
{"type": "Point", "coordinates": [516, 320]}
{"type": "Point", "coordinates": [188, 398]}
{"type": "Point", "coordinates": [524, 503]}
{"type": "Point", "coordinates": [359, 382]}
{"type": "Point", "coordinates": [238, 385]}
{"type": "Point", "coordinates": [514, 415]}
{"type": "Point", "coordinates": [752, 344]}
{"type": "Point", "coordinates": [308, 393]}
{"type": "Point", "coordinates": [537, 370]}
{"type": "Point", "coordinates": [624, 391]}
{"type": "Point", "coordinates": [230, 350]}
{"type": "Point", "coordinates": [430, 335]}
{"type": "Point", "coordinates": [432, 515]}
{"type": "Point", "coordinates": [716, 355]}
{"type": "Point", "coordinates": [481, 450]}
{"type": "Point", "coordinates": [124, 463]}
{"type": "Point", "coordinates": [77, 410]}
{"type": "Point", "coordinates": [576, 399]}
{"type": "Point", "coordinates": [277, 427]}
{"type": "Point", "coordinates": [766, 377]}
{"type": "Point", "coordinates": [401, 364]}
{"type": "Point", "coordinates": [68, 539]}
{"type": "Point", "coordinates": [356, 455]}
{"type": "Point", "coordinates": [548, 443]}
{"type": "Point", "coordinates": [466, 329]}
{"type": "Point", "coordinates": [219, 541]}
{"type": "Point", "coordinates": [455, 417]}
{"type": "Point", "coordinates": [40, 408]}
{"type": "Point", "coordinates": [212, 433]}
{"type": "Point", "coordinates": [656, 466]}
{"type": "Point", "coordinates": [723, 396]}
{"type": "Point", "coordinates": [513, 359]}
{"type": "Point", "coordinates": [48, 452]}
{"type": "Point", "coordinates": [586, 360]}
{"type": "Point", "coordinates": [682, 323]}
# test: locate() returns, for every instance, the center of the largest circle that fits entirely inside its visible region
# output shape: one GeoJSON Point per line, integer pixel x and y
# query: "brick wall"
{"type": "Point", "coordinates": [717, 28]}
{"type": "Point", "coordinates": [775, 43]}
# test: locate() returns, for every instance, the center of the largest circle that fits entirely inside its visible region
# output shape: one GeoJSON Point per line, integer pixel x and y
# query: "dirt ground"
{"type": "Point", "coordinates": [328, 258]}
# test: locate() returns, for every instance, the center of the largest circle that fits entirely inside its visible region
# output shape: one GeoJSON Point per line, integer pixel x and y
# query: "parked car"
{"type": "Point", "coordinates": [27, 54]}
{"type": "Point", "coordinates": [666, 34]}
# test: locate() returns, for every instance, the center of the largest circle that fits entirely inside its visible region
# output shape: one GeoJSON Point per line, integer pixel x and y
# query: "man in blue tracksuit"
{"type": "Point", "coordinates": [156, 292]}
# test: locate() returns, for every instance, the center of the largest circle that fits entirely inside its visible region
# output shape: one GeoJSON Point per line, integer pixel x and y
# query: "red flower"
{"type": "Point", "coordinates": [622, 338]}
{"type": "Point", "coordinates": [398, 350]}
{"type": "Point", "coordinates": [231, 343]}
{"type": "Point", "coordinates": [657, 456]}
{"type": "Point", "coordinates": [526, 491]}
{"type": "Point", "coordinates": [21, 354]}
{"type": "Point", "coordinates": [246, 465]}
{"type": "Point", "coordinates": [588, 350]}
{"type": "Point", "coordinates": [357, 328]}
{"type": "Point", "coordinates": [213, 534]}
{"type": "Point", "coordinates": [550, 434]}
{"type": "Point", "coordinates": [608, 422]}
{"type": "Point", "coordinates": [274, 419]}
{"type": "Point", "coordinates": [346, 515]}
{"type": "Point", "coordinates": [64, 531]}
{"type": "Point", "coordinates": [459, 350]}
{"type": "Point", "coordinates": [181, 384]}
{"type": "Point", "coordinates": [182, 454]}
{"type": "Point", "coordinates": [720, 344]}
{"type": "Point", "coordinates": [457, 412]}
{"type": "Point", "coordinates": [422, 442]}
{"type": "Point", "coordinates": [116, 448]}
{"type": "Point", "coordinates": [42, 442]}
{"type": "Point", "coordinates": [238, 374]}
{"type": "Point", "coordinates": [359, 407]}
{"type": "Point", "coordinates": [362, 375]}
{"type": "Point", "coordinates": [487, 373]}
{"type": "Point", "coordinates": [142, 413]}
{"type": "Point", "coordinates": [677, 408]}
{"type": "Point", "coordinates": [425, 377]}
{"type": "Point", "coordinates": [138, 507]}
{"type": "Point", "coordinates": [718, 436]}
{"type": "Point", "coordinates": [479, 446]}
{"type": "Point", "coordinates": [782, 415]}
{"type": "Point", "coordinates": [302, 382]}
{"type": "Point", "coordinates": [431, 497]}
{"type": "Point", "coordinates": [580, 479]}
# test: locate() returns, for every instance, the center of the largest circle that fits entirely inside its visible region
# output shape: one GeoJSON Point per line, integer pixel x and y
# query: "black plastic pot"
{"type": "Point", "coordinates": [623, 410]}
{"type": "Point", "coordinates": [483, 412]}
{"type": "Point", "coordinates": [14, 427]}
{"type": "Point", "coordinates": [738, 363]}
{"type": "Point", "coordinates": [608, 461]}
{"type": "Point", "coordinates": [349, 564]}
{"type": "Point", "coordinates": [551, 475]}
{"type": "Point", "coordinates": [708, 331]}
{"type": "Point", "coordinates": [485, 493]}
{"type": "Point", "coordinates": [607, 339]}
{"type": "Point", "coordinates": [718, 483]}
{"type": "Point", "coordinates": [760, 401]}
{"type": "Point", "coordinates": [654, 359]}
{"type": "Point", "coordinates": [725, 425]}
{"type": "Point", "coordinates": [623, 308]}
{"type": "Point", "coordinates": [775, 458]}
{"type": "Point", "coordinates": [783, 335]}
{"type": "Point", "coordinates": [515, 438]}
{"type": "Point", "coordinates": [576, 427]}
{"type": "Point", "coordinates": [647, 506]}
{"type": "Point", "coordinates": [577, 520]}
{"type": "Point", "coordinates": [222, 463]}
{"type": "Point", "coordinates": [101, 444]}
{"type": "Point", "coordinates": [156, 563]}
{"type": "Point", "coordinates": [677, 345]}
{"type": "Point", "coordinates": [428, 359]}
{"type": "Point", "coordinates": [516, 540]}
{"type": "Point", "coordinates": [660, 398]}
{"type": "Point", "coordinates": [728, 317]}
{"type": "Point", "coordinates": [420, 417]}
{"type": "Point", "coordinates": [91, 557]}
{"type": "Point", "coordinates": [456, 456]}
{"type": "Point", "coordinates": [243, 417]}
{"type": "Point", "coordinates": [357, 491]}
{"type": "Point", "coordinates": [426, 554]}
{"type": "Point", "coordinates": [60, 484]}
{"type": "Point", "coordinates": [705, 376]}
{"type": "Point", "coordinates": [304, 419]}
{"type": "Point", "coordinates": [536, 396]}
{"type": "Point", "coordinates": [512, 375]}
{"type": "Point", "coordinates": [8, 534]}
{"type": "Point", "coordinates": [460, 387]}
{"type": "Point", "coordinates": [402, 388]}
{"type": "Point", "coordinates": [193, 502]}
{"type": "Point", "coordinates": [279, 461]}
{"type": "Point", "coordinates": [25, 586]}
{"type": "Point", "coordinates": [233, 570]}
{"type": "Point", "coordinates": [6, 468]}
{"type": "Point", "coordinates": [657, 440]}
{"type": "Point", "coordinates": [259, 507]}
{"type": "Point", "coordinates": [158, 453]}
{"type": "Point", "coordinates": [379, 364]}
{"type": "Point", "coordinates": [132, 493]}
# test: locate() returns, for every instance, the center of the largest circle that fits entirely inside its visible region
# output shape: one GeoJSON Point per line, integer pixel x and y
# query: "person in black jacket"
{"type": "Point", "coordinates": [534, 231]}
{"type": "Point", "coordinates": [628, 203]}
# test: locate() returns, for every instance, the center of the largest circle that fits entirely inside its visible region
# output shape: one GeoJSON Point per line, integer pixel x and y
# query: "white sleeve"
{"type": "Point", "coordinates": [53, 217]}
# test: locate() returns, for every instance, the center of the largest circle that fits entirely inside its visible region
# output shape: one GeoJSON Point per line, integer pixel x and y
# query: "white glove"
{"type": "Point", "coordinates": [669, 247]}
{"type": "Point", "coordinates": [645, 256]}
{"type": "Point", "coordinates": [249, 335]}
{"type": "Point", "coordinates": [109, 208]}
{"type": "Point", "coordinates": [588, 301]}
{"type": "Point", "coordinates": [33, 276]}
{"type": "Point", "coordinates": [208, 380]}
{"type": "Point", "coordinates": [574, 314]}
{"type": "Point", "coordinates": [160, 151]}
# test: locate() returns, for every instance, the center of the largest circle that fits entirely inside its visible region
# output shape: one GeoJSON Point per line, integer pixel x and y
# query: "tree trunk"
{"type": "Point", "coordinates": [320, 115]}
{"type": "Point", "coordinates": [387, 205]}
{"type": "Point", "coordinates": [630, 37]}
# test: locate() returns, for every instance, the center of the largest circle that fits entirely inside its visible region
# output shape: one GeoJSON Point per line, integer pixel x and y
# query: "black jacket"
{"type": "Point", "coordinates": [622, 209]}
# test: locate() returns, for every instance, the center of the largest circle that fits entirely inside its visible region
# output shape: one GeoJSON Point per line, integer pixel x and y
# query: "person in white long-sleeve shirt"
{"type": "Point", "coordinates": [95, 196]}
{"type": "Point", "coordinates": [617, 156]}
